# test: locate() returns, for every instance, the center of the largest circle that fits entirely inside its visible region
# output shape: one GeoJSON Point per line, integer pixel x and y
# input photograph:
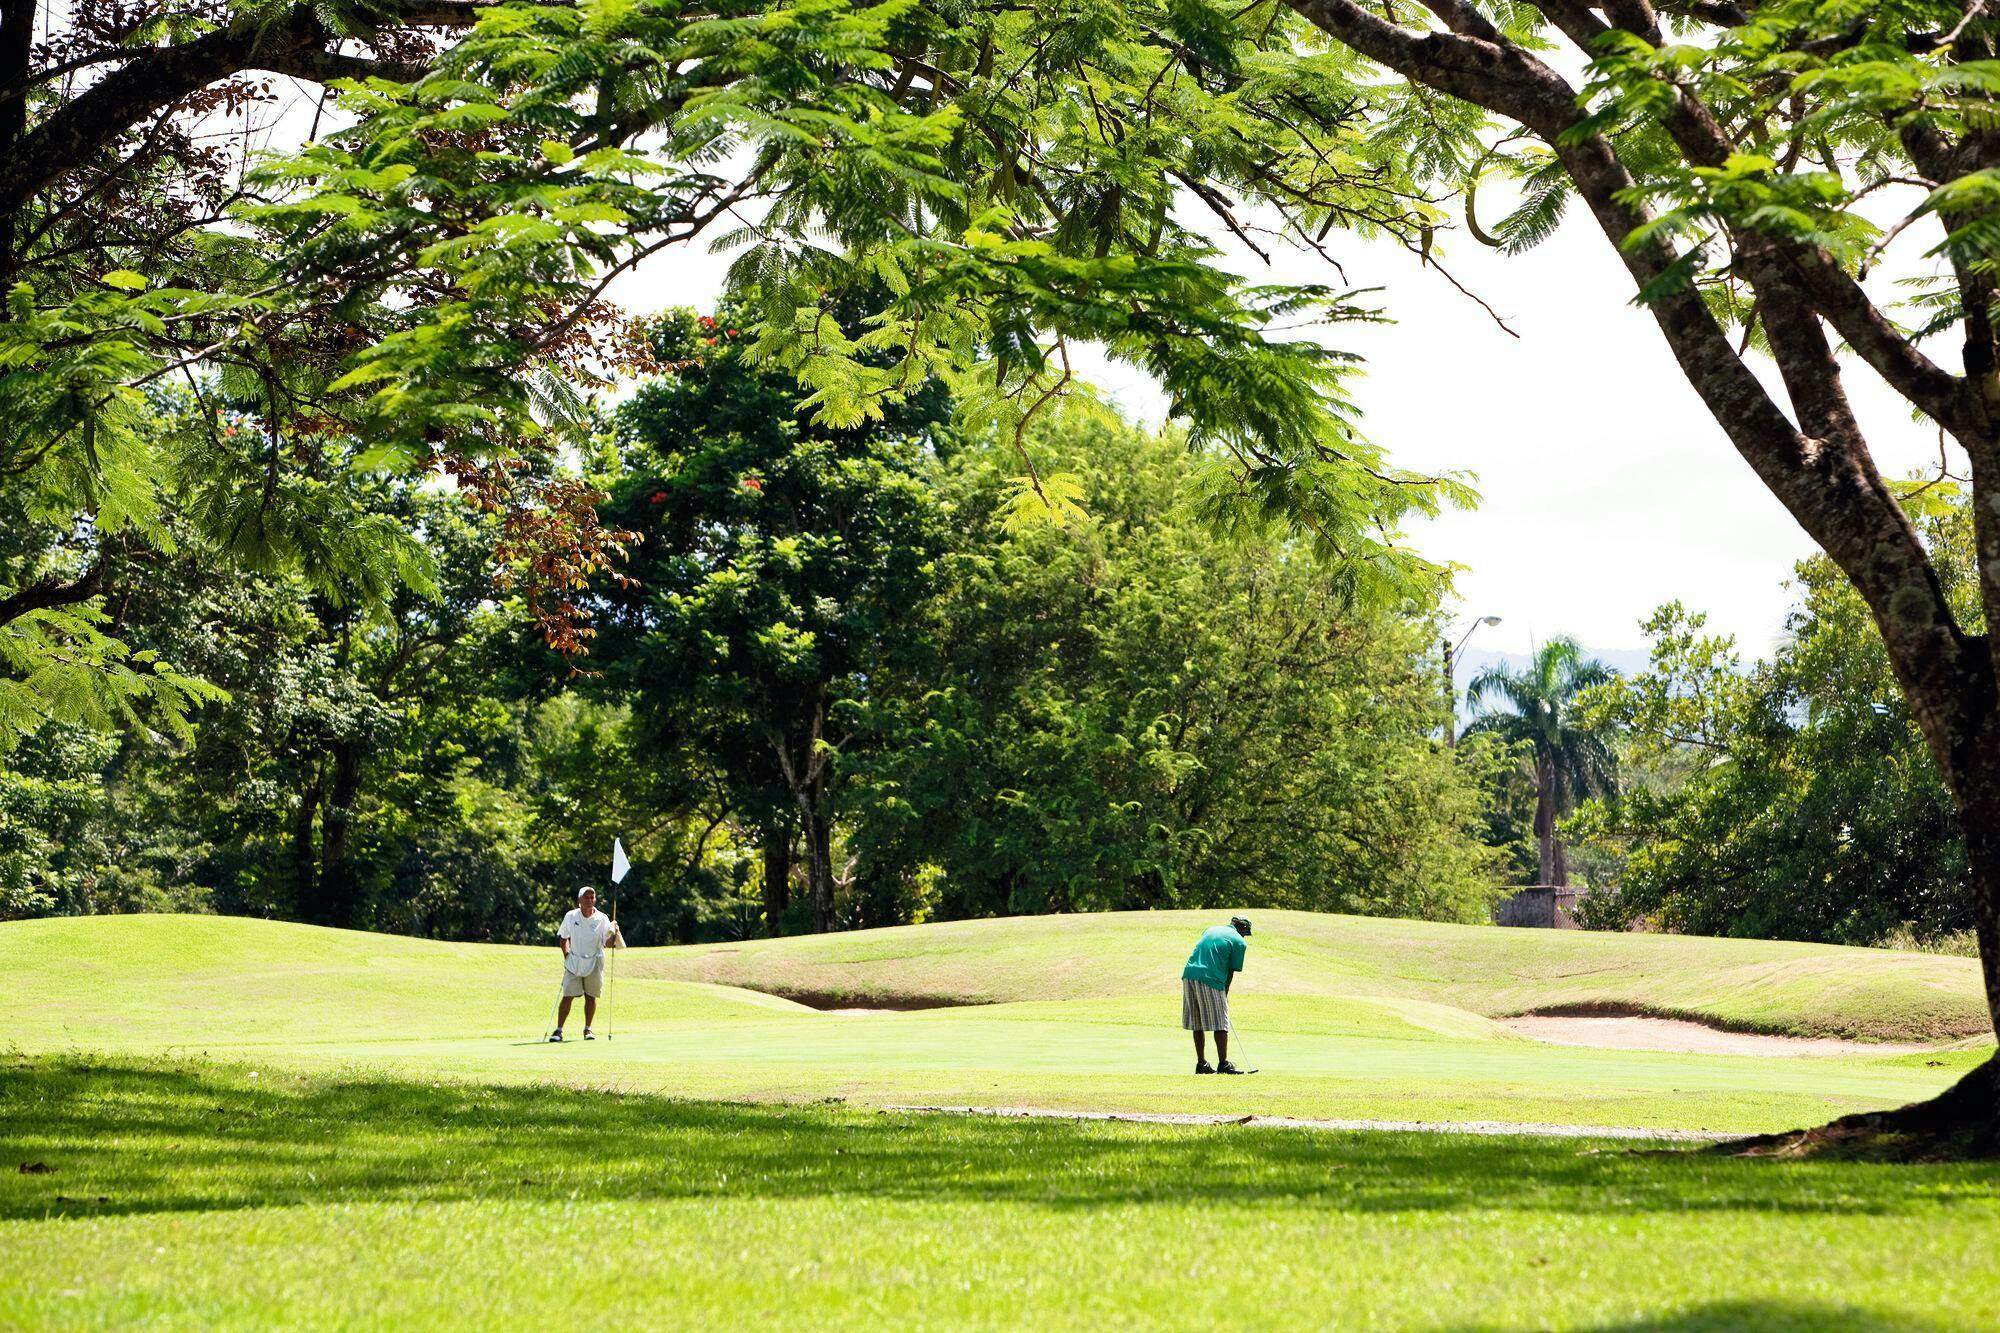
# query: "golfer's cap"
{"type": "Point", "coordinates": [1242, 924]}
{"type": "Point", "coordinates": [585, 889]}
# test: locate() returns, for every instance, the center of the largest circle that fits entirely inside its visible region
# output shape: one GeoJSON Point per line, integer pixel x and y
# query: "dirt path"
{"type": "Point", "coordinates": [1633, 1033]}
{"type": "Point", "coordinates": [1492, 1127]}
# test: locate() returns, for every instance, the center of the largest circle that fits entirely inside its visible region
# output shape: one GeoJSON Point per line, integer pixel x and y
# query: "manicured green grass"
{"type": "Point", "coordinates": [1754, 985]}
{"type": "Point", "coordinates": [184, 1195]}
{"type": "Point", "coordinates": [1348, 1018]}
{"type": "Point", "coordinates": [251, 1124]}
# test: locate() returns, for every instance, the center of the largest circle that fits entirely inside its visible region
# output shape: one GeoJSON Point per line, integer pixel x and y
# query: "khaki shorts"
{"type": "Point", "coordinates": [591, 985]}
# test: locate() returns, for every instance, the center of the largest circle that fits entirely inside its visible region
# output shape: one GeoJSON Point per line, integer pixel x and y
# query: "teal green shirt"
{"type": "Point", "coordinates": [1218, 953]}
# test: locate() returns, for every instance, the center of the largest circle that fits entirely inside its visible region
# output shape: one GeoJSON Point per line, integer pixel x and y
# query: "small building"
{"type": "Point", "coordinates": [1550, 906]}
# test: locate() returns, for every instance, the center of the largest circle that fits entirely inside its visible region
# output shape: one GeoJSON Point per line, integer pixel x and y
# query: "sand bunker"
{"type": "Point", "coordinates": [1637, 1033]}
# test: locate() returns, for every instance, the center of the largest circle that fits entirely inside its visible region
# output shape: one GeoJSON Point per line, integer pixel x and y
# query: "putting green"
{"type": "Point", "coordinates": [1348, 1018]}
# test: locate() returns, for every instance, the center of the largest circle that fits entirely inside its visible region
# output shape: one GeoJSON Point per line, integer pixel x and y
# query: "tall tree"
{"type": "Point", "coordinates": [1119, 713]}
{"type": "Point", "coordinates": [1572, 759]}
{"type": "Point", "coordinates": [1731, 154]}
{"type": "Point", "coordinates": [784, 567]}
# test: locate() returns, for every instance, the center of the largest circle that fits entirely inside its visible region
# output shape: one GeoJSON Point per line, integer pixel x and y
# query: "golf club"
{"type": "Point", "coordinates": [1236, 1040]}
{"type": "Point", "coordinates": [554, 1012]}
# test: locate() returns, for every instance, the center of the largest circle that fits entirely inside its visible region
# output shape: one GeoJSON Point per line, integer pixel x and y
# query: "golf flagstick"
{"type": "Point", "coordinates": [619, 868]}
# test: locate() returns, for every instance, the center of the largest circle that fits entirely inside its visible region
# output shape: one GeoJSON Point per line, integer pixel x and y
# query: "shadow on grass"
{"type": "Point", "coordinates": [159, 1136]}
{"type": "Point", "coordinates": [1765, 1316]}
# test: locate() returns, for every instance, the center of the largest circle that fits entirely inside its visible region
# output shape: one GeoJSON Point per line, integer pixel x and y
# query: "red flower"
{"type": "Point", "coordinates": [707, 323]}
{"type": "Point", "coordinates": [732, 333]}
{"type": "Point", "coordinates": [659, 497]}
{"type": "Point", "coordinates": [752, 484]}
{"type": "Point", "coordinates": [708, 342]}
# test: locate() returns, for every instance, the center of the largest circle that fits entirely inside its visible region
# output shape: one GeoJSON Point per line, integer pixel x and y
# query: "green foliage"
{"type": "Point", "coordinates": [1122, 715]}
{"type": "Point", "coordinates": [1796, 798]}
{"type": "Point", "coordinates": [1568, 752]}
{"type": "Point", "coordinates": [784, 565]}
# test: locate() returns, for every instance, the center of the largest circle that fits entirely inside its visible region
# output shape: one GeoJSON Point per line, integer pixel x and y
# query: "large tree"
{"type": "Point", "coordinates": [1119, 714]}
{"type": "Point", "coordinates": [1729, 151]}
{"type": "Point", "coordinates": [784, 567]}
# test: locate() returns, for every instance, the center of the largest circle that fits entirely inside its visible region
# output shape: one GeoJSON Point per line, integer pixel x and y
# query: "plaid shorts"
{"type": "Point", "coordinates": [1203, 1007]}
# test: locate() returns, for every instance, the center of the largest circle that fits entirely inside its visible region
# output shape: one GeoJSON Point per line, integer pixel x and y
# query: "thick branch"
{"type": "Point", "coordinates": [293, 42]}
{"type": "Point", "coordinates": [1811, 275]}
{"type": "Point", "coordinates": [54, 592]}
{"type": "Point", "coordinates": [1832, 490]}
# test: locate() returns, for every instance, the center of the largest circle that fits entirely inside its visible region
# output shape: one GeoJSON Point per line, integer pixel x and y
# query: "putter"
{"type": "Point", "coordinates": [1239, 1047]}
{"type": "Point", "coordinates": [550, 1031]}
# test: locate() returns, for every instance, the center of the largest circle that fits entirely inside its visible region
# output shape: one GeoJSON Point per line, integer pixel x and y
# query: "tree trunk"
{"type": "Point", "coordinates": [1554, 871]}
{"type": "Point", "coordinates": [336, 875]}
{"type": "Point", "coordinates": [1958, 1123]}
{"type": "Point", "coordinates": [17, 47]}
{"type": "Point", "coordinates": [819, 841]}
{"type": "Point", "coordinates": [777, 876]}
{"type": "Point", "coordinates": [305, 861]}
{"type": "Point", "coordinates": [1964, 1120]}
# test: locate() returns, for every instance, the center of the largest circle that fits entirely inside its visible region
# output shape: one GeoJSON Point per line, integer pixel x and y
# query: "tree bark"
{"type": "Point", "coordinates": [1553, 870]}
{"type": "Point", "coordinates": [777, 876]}
{"type": "Point", "coordinates": [819, 841]}
{"type": "Point", "coordinates": [54, 592]}
{"type": "Point", "coordinates": [305, 860]}
{"type": "Point", "coordinates": [293, 41]}
{"type": "Point", "coordinates": [1815, 460]}
{"type": "Point", "coordinates": [17, 49]}
{"type": "Point", "coordinates": [336, 866]}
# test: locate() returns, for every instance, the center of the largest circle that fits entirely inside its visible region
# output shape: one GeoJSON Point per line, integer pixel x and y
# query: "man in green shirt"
{"type": "Point", "coordinates": [1217, 958]}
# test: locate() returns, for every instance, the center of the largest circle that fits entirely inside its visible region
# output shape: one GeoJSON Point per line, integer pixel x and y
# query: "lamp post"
{"type": "Point", "coordinates": [1450, 690]}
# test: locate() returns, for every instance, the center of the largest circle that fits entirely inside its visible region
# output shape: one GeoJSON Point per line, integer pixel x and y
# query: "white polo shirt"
{"type": "Point", "coordinates": [587, 935]}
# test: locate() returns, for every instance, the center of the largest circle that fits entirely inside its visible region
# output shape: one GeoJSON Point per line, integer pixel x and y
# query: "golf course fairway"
{"type": "Point", "coordinates": [222, 1122]}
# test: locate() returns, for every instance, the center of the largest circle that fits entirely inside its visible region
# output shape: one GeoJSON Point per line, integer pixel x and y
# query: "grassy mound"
{"type": "Point", "coordinates": [145, 982]}
{"type": "Point", "coordinates": [152, 976]}
{"type": "Point", "coordinates": [1752, 985]}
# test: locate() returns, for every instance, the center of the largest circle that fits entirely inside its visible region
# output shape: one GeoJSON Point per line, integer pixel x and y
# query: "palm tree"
{"type": "Point", "coordinates": [1572, 762]}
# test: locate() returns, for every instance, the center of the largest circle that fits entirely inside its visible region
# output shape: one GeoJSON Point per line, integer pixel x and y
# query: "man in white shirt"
{"type": "Point", "coordinates": [585, 934]}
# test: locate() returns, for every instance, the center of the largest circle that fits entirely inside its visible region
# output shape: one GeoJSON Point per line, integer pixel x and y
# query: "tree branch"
{"type": "Point", "coordinates": [54, 592]}
{"type": "Point", "coordinates": [1832, 490]}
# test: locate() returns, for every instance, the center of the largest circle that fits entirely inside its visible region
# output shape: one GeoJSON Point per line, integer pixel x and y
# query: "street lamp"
{"type": "Point", "coordinates": [1450, 690]}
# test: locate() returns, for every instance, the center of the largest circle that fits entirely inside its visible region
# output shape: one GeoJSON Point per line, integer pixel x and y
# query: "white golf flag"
{"type": "Point", "coordinates": [619, 865]}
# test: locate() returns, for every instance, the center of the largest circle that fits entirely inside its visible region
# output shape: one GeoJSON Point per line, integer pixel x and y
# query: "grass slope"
{"type": "Point", "coordinates": [1350, 1018]}
{"type": "Point", "coordinates": [182, 1196]}
{"type": "Point", "coordinates": [1754, 985]}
